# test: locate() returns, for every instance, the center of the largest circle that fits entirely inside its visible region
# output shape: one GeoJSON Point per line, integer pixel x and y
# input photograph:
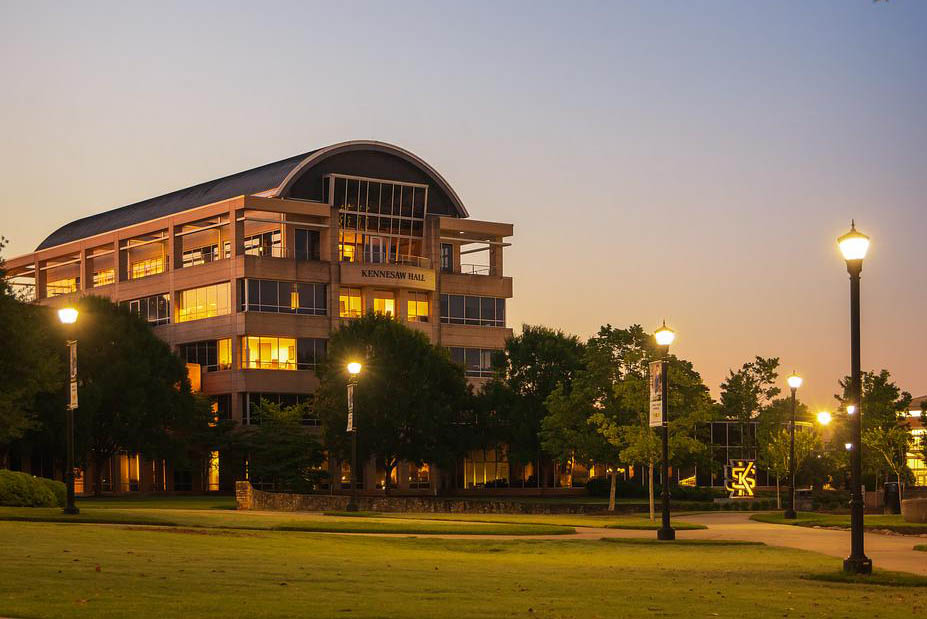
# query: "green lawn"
{"type": "Point", "coordinates": [871, 521]}
{"type": "Point", "coordinates": [921, 547]}
{"type": "Point", "coordinates": [54, 570]}
{"type": "Point", "coordinates": [568, 520]}
{"type": "Point", "coordinates": [287, 521]}
{"type": "Point", "coordinates": [157, 502]}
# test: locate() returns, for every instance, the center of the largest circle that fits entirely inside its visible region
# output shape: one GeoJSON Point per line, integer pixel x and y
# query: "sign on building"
{"type": "Point", "coordinates": [740, 478]}
{"type": "Point", "coordinates": [656, 394]}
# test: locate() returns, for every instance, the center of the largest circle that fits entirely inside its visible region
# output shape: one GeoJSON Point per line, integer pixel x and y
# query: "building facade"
{"type": "Point", "coordinates": [247, 276]}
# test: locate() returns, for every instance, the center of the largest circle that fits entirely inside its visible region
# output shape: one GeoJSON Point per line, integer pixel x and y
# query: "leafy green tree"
{"type": "Point", "coordinates": [748, 391]}
{"type": "Point", "coordinates": [891, 446]}
{"type": "Point", "coordinates": [774, 454]}
{"type": "Point", "coordinates": [134, 393]}
{"type": "Point", "coordinates": [529, 369]}
{"type": "Point", "coordinates": [411, 401]}
{"type": "Point", "coordinates": [616, 374]}
{"type": "Point", "coordinates": [284, 452]}
{"type": "Point", "coordinates": [29, 364]}
{"type": "Point", "coordinates": [883, 401]}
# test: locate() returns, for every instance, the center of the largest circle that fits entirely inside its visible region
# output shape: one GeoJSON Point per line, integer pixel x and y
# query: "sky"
{"type": "Point", "coordinates": [692, 161]}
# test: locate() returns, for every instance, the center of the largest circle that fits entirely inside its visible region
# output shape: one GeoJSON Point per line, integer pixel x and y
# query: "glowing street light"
{"type": "Point", "coordinates": [665, 336]}
{"type": "Point", "coordinates": [68, 316]}
{"type": "Point", "coordinates": [854, 245]}
{"type": "Point", "coordinates": [824, 418]}
{"type": "Point", "coordinates": [354, 369]}
{"type": "Point", "coordinates": [794, 381]}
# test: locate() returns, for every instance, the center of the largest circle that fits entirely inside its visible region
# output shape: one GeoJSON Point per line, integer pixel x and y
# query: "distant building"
{"type": "Point", "coordinates": [247, 275]}
{"type": "Point", "coordinates": [918, 425]}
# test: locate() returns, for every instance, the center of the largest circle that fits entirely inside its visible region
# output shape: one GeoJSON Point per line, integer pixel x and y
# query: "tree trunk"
{"type": "Point", "coordinates": [900, 489]}
{"type": "Point", "coordinates": [778, 497]}
{"type": "Point", "coordinates": [611, 492]}
{"type": "Point", "coordinates": [650, 484]}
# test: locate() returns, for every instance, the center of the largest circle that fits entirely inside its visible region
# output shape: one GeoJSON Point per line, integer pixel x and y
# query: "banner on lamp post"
{"type": "Point", "coordinates": [656, 394]}
{"type": "Point", "coordinates": [350, 407]}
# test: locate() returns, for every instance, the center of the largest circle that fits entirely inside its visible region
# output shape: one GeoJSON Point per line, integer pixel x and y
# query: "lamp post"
{"type": "Point", "coordinates": [665, 336]}
{"type": "Point", "coordinates": [794, 381]}
{"type": "Point", "coordinates": [68, 316]}
{"type": "Point", "coordinates": [354, 369]}
{"type": "Point", "coordinates": [853, 246]}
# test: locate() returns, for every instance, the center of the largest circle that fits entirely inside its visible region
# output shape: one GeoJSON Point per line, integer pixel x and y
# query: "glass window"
{"type": "Point", "coordinates": [205, 302]}
{"type": "Point", "coordinates": [447, 257]}
{"type": "Point", "coordinates": [144, 268]}
{"type": "Point", "coordinates": [350, 301]}
{"type": "Point", "coordinates": [464, 309]}
{"type": "Point", "coordinates": [307, 244]}
{"type": "Point", "coordinates": [156, 309]}
{"type": "Point", "coordinates": [384, 303]}
{"type": "Point", "coordinates": [477, 362]}
{"type": "Point", "coordinates": [417, 307]}
{"type": "Point", "coordinates": [266, 244]}
{"type": "Point", "coordinates": [309, 352]}
{"type": "Point", "coordinates": [104, 277]}
{"type": "Point", "coordinates": [268, 353]}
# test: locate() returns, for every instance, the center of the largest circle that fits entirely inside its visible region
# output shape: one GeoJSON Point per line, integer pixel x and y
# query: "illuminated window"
{"type": "Point", "coordinates": [128, 472]}
{"type": "Point", "coordinates": [417, 307]}
{"type": "Point", "coordinates": [486, 468]}
{"type": "Point", "coordinates": [384, 303]}
{"type": "Point", "coordinates": [419, 476]}
{"type": "Point", "coordinates": [267, 244]}
{"type": "Point", "coordinates": [62, 286]}
{"type": "Point", "coordinates": [211, 355]}
{"type": "Point", "coordinates": [268, 353]}
{"type": "Point", "coordinates": [204, 302]}
{"type": "Point", "coordinates": [350, 303]}
{"type": "Point", "coordinates": [144, 268]}
{"type": "Point", "coordinates": [212, 482]}
{"type": "Point", "coordinates": [104, 277]}
{"type": "Point", "coordinates": [206, 254]}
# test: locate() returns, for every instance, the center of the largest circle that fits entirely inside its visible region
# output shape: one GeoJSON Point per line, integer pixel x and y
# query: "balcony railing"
{"type": "Point", "coordinates": [476, 269]}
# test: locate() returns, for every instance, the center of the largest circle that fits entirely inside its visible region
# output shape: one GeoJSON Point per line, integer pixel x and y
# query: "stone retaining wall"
{"type": "Point", "coordinates": [248, 497]}
{"type": "Point", "coordinates": [914, 510]}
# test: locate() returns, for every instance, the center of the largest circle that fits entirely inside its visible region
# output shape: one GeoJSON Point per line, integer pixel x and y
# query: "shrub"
{"type": "Point", "coordinates": [58, 489]}
{"type": "Point", "coordinates": [22, 490]}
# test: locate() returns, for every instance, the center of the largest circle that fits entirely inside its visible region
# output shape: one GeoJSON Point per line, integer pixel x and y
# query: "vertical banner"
{"type": "Point", "coordinates": [656, 394]}
{"type": "Point", "coordinates": [72, 358]}
{"type": "Point", "coordinates": [350, 407]}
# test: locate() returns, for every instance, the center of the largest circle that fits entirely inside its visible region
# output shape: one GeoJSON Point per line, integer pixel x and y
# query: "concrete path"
{"type": "Point", "coordinates": [889, 552]}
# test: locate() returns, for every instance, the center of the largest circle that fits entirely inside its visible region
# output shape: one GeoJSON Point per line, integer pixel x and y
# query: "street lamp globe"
{"type": "Point", "coordinates": [824, 418]}
{"type": "Point", "coordinates": [67, 315]}
{"type": "Point", "coordinates": [664, 335]}
{"type": "Point", "coordinates": [354, 368]}
{"type": "Point", "coordinates": [794, 381]}
{"type": "Point", "coordinates": [853, 244]}
{"type": "Point", "coordinates": [851, 409]}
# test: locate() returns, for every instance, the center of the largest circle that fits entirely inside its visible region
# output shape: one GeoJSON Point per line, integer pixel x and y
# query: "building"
{"type": "Point", "coordinates": [916, 420]}
{"type": "Point", "coordinates": [247, 275]}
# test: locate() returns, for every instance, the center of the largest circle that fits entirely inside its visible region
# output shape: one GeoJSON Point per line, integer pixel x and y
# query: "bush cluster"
{"type": "Point", "coordinates": [22, 490]}
{"type": "Point", "coordinates": [599, 487]}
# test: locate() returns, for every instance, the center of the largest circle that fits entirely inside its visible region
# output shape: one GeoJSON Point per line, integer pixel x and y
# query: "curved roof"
{"type": "Point", "coordinates": [276, 179]}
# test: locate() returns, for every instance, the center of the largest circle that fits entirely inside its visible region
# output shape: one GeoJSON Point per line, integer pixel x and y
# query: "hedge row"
{"type": "Point", "coordinates": [22, 490]}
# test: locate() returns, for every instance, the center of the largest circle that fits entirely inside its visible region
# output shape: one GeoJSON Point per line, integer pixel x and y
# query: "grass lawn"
{"type": "Point", "coordinates": [284, 521]}
{"type": "Point", "coordinates": [157, 502]}
{"type": "Point", "coordinates": [568, 520]}
{"type": "Point", "coordinates": [892, 522]}
{"type": "Point", "coordinates": [921, 547]}
{"type": "Point", "coordinates": [54, 570]}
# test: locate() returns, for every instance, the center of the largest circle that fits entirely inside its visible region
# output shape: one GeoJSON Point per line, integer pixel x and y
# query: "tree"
{"type": "Point", "coordinates": [28, 365]}
{"type": "Point", "coordinates": [616, 372]}
{"type": "Point", "coordinates": [891, 445]}
{"type": "Point", "coordinates": [774, 453]}
{"type": "Point", "coordinates": [410, 401]}
{"type": "Point", "coordinates": [882, 400]}
{"type": "Point", "coordinates": [134, 393]}
{"type": "Point", "coordinates": [282, 451]}
{"type": "Point", "coordinates": [748, 391]}
{"type": "Point", "coordinates": [529, 369]}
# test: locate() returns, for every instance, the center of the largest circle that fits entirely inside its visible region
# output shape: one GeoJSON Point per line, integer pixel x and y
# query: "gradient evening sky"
{"type": "Point", "coordinates": [685, 160]}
